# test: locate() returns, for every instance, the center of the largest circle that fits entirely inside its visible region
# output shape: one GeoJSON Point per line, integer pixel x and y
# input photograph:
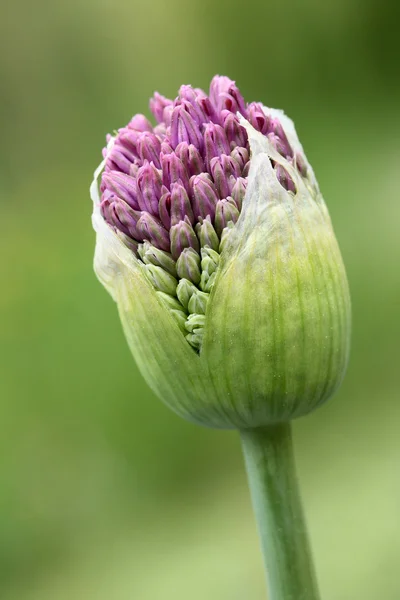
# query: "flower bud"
{"type": "Point", "coordinates": [162, 281]}
{"type": "Point", "coordinates": [149, 148]}
{"type": "Point", "coordinates": [215, 142]}
{"type": "Point", "coordinates": [190, 157]}
{"type": "Point", "coordinates": [258, 118]}
{"type": "Point", "coordinates": [226, 211]}
{"type": "Point", "coordinates": [185, 291]}
{"type": "Point", "coordinates": [225, 171]}
{"type": "Point", "coordinates": [170, 301]}
{"type": "Point", "coordinates": [209, 260]}
{"type": "Point", "coordinates": [151, 255]}
{"type": "Point", "coordinates": [198, 303]}
{"type": "Point", "coordinates": [195, 322]}
{"type": "Point", "coordinates": [182, 236]}
{"type": "Point", "coordinates": [207, 234]}
{"type": "Point", "coordinates": [238, 191]}
{"type": "Point", "coordinates": [151, 229]}
{"type": "Point", "coordinates": [173, 170]}
{"type": "Point", "coordinates": [240, 156]}
{"type": "Point", "coordinates": [205, 197]}
{"type": "Point", "coordinates": [215, 242]}
{"type": "Point", "coordinates": [157, 105]}
{"type": "Point", "coordinates": [184, 128]}
{"type": "Point", "coordinates": [149, 184]}
{"type": "Point", "coordinates": [207, 281]}
{"type": "Point", "coordinates": [123, 186]}
{"type": "Point", "coordinates": [188, 265]}
{"type": "Point", "coordinates": [235, 133]}
{"type": "Point", "coordinates": [119, 214]}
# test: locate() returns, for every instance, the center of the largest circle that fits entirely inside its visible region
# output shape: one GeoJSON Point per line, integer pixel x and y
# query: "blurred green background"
{"type": "Point", "coordinates": [105, 494]}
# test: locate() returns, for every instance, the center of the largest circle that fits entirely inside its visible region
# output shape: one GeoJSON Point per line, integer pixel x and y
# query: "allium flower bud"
{"type": "Point", "coordinates": [216, 244]}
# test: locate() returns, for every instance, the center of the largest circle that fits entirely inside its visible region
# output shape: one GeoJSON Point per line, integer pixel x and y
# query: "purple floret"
{"type": "Point", "coordinates": [162, 183]}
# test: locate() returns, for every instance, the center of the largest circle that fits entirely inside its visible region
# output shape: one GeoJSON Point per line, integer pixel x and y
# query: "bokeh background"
{"type": "Point", "coordinates": [105, 494]}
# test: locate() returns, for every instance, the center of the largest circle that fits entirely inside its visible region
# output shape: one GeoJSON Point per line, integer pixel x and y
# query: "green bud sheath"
{"type": "Point", "coordinates": [277, 329]}
{"type": "Point", "coordinates": [275, 335]}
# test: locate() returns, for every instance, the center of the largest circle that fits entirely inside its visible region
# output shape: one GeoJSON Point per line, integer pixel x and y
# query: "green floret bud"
{"type": "Point", "coordinates": [151, 255]}
{"type": "Point", "coordinates": [209, 260]}
{"type": "Point", "coordinates": [162, 281]}
{"type": "Point", "coordinates": [188, 265]}
{"type": "Point", "coordinates": [198, 303]}
{"type": "Point", "coordinates": [170, 301]}
{"type": "Point", "coordinates": [207, 281]}
{"type": "Point", "coordinates": [195, 322]}
{"type": "Point", "coordinates": [185, 291]}
{"type": "Point", "coordinates": [207, 234]}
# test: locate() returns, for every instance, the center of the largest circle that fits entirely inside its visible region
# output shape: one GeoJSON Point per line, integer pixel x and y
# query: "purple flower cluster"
{"type": "Point", "coordinates": [180, 183]}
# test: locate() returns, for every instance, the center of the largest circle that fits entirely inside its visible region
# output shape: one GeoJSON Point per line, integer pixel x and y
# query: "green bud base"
{"type": "Point", "coordinates": [269, 459]}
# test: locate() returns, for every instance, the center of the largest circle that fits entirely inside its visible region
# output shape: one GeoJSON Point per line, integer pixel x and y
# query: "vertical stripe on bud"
{"type": "Point", "coordinates": [209, 260]}
{"type": "Point", "coordinates": [157, 105]}
{"type": "Point", "coordinates": [225, 170]}
{"type": "Point", "coordinates": [258, 118]}
{"type": "Point", "coordinates": [195, 102]}
{"type": "Point", "coordinates": [162, 281]}
{"type": "Point", "coordinates": [238, 191]}
{"type": "Point", "coordinates": [127, 139]}
{"type": "Point", "coordinates": [300, 164]}
{"type": "Point", "coordinates": [184, 128]}
{"type": "Point", "coordinates": [171, 302]}
{"type": "Point", "coordinates": [190, 157]}
{"type": "Point", "coordinates": [154, 256]}
{"type": "Point", "coordinates": [123, 186]}
{"type": "Point", "coordinates": [224, 94]}
{"type": "Point", "coordinates": [182, 236]}
{"type": "Point", "coordinates": [185, 291]}
{"type": "Point", "coordinates": [225, 235]}
{"type": "Point", "coordinates": [194, 322]}
{"type": "Point", "coordinates": [173, 170]}
{"type": "Point", "coordinates": [207, 281]}
{"type": "Point", "coordinates": [241, 156]}
{"type": "Point", "coordinates": [195, 339]}
{"type": "Point", "coordinates": [207, 234]}
{"type": "Point", "coordinates": [226, 211]}
{"type": "Point", "coordinates": [180, 204]}
{"type": "Point", "coordinates": [235, 133]}
{"type": "Point", "coordinates": [278, 137]}
{"type": "Point", "coordinates": [164, 208]}
{"type": "Point", "coordinates": [119, 159]}
{"type": "Point", "coordinates": [215, 142]}
{"type": "Point", "coordinates": [195, 325]}
{"type": "Point", "coordinates": [151, 229]}
{"type": "Point", "coordinates": [284, 178]}
{"type": "Point", "coordinates": [205, 196]}
{"type": "Point", "coordinates": [188, 265]}
{"type": "Point", "coordinates": [198, 302]}
{"type": "Point", "coordinates": [149, 184]}
{"type": "Point", "coordinates": [149, 148]}
{"type": "Point", "coordinates": [119, 214]}
{"type": "Point", "coordinates": [208, 110]}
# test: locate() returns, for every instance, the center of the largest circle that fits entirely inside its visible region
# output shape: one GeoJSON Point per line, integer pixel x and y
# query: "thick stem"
{"type": "Point", "coordinates": [270, 467]}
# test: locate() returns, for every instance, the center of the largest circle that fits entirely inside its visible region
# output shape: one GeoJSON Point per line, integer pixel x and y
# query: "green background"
{"type": "Point", "coordinates": [104, 493]}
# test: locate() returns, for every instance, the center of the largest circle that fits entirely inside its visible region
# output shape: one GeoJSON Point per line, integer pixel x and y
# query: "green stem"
{"type": "Point", "coordinates": [269, 458]}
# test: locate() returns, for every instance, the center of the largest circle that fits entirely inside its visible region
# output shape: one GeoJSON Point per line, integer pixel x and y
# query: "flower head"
{"type": "Point", "coordinates": [214, 239]}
